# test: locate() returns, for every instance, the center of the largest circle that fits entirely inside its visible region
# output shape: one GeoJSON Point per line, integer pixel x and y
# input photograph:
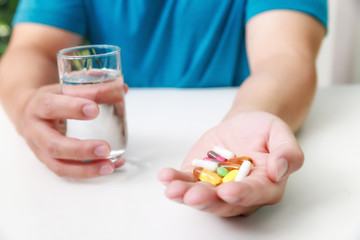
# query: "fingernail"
{"type": "Point", "coordinates": [202, 206]}
{"type": "Point", "coordinates": [89, 110]}
{"type": "Point", "coordinates": [178, 200]}
{"type": "Point", "coordinates": [106, 169]}
{"type": "Point", "coordinates": [234, 199]}
{"type": "Point", "coordinates": [281, 168]}
{"type": "Point", "coordinates": [101, 151]}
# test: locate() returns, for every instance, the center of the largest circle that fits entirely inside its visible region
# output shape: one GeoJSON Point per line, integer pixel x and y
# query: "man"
{"type": "Point", "coordinates": [268, 48]}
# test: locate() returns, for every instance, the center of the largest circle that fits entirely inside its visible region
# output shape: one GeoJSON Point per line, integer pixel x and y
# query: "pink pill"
{"type": "Point", "coordinates": [214, 155]}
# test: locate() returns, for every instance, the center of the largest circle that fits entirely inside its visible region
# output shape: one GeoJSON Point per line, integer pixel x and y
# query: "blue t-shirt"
{"type": "Point", "coordinates": [167, 43]}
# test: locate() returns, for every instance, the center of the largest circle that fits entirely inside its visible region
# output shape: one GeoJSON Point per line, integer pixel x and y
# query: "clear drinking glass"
{"type": "Point", "coordinates": [94, 72]}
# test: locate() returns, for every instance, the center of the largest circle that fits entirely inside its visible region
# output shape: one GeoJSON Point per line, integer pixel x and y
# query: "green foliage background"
{"type": "Point", "coordinates": [7, 10]}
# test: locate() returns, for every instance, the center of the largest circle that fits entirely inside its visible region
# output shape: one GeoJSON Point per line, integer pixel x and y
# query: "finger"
{"type": "Point", "coordinates": [56, 145]}
{"type": "Point", "coordinates": [126, 88]}
{"type": "Point", "coordinates": [107, 92]}
{"type": "Point", "coordinates": [285, 154]}
{"type": "Point", "coordinates": [203, 196]}
{"type": "Point", "coordinates": [196, 194]}
{"type": "Point", "coordinates": [120, 163]}
{"type": "Point", "coordinates": [255, 190]}
{"type": "Point", "coordinates": [75, 169]}
{"type": "Point", "coordinates": [57, 106]}
{"type": "Point", "coordinates": [79, 169]}
{"type": "Point", "coordinates": [176, 190]}
{"type": "Point", "coordinates": [168, 175]}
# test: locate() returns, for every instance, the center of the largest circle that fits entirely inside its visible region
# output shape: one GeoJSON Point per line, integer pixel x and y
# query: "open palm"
{"type": "Point", "coordinates": [259, 135]}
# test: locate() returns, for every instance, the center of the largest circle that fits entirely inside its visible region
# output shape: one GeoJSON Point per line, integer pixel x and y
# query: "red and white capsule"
{"type": "Point", "coordinates": [215, 156]}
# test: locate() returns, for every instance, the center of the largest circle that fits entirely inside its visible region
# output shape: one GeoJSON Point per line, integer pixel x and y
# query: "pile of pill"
{"type": "Point", "coordinates": [221, 166]}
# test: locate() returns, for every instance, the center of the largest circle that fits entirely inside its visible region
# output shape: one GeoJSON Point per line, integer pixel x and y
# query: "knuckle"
{"type": "Point", "coordinates": [277, 196]}
{"type": "Point", "coordinates": [276, 200]}
{"type": "Point", "coordinates": [81, 150]}
{"type": "Point", "coordinates": [300, 160]}
{"type": "Point", "coordinates": [59, 171]}
{"type": "Point", "coordinates": [26, 133]}
{"type": "Point", "coordinates": [48, 106]}
{"type": "Point", "coordinates": [78, 153]}
{"type": "Point", "coordinates": [52, 148]}
{"type": "Point", "coordinates": [56, 167]}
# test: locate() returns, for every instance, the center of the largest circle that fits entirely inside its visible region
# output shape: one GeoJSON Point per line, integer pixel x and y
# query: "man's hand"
{"type": "Point", "coordinates": [42, 126]}
{"type": "Point", "coordinates": [259, 135]}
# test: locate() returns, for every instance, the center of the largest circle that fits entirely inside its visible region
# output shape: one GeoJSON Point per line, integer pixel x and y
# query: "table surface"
{"type": "Point", "coordinates": [321, 200]}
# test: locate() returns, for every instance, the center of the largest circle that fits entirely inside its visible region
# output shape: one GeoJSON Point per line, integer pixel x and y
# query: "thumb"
{"type": "Point", "coordinates": [285, 155]}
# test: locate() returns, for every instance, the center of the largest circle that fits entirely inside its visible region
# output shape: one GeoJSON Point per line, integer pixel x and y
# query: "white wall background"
{"type": "Point", "coordinates": [340, 53]}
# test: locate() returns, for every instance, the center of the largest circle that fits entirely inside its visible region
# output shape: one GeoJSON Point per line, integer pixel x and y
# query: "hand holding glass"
{"type": "Point", "coordinates": [94, 72]}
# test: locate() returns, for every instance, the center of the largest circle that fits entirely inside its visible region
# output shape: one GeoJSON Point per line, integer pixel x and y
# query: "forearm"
{"type": "Point", "coordinates": [28, 65]}
{"type": "Point", "coordinates": [282, 47]}
{"type": "Point", "coordinates": [22, 71]}
{"type": "Point", "coordinates": [283, 86]}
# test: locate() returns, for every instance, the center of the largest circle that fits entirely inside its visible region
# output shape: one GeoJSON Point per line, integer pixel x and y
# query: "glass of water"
{"type": "Point", "coordinates": [94, 72]}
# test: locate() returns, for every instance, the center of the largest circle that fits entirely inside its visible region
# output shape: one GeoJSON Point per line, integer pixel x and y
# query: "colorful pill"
{"type": "Point", "coordinates": [229, 165]}
{"type": "Point", "coordinates": [209, 159]}
{"type": "Point", "coordinates": [204, 174]}
{"type": "Point", "coordinates": [211, 165]}
{"type": "Point", "coordinates": [240, 160]}
{"type": "Point", "coordinates": [223, 152]}
{"type": "Point", "coordinates": [214, 155]}
{"type": "Point", "coordinates": [230, 176]}
{"type": "Point", "coordinates": [243, 171]}
{"type": "Point", "coordinates": [222, 171]}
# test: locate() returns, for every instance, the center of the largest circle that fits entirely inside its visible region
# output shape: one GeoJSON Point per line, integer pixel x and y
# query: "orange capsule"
{"type": "Point", "coordinates": [204, 174]}
{"type": "Point", "coordinates": [235, 163]}
{"type": "Point", "coordinates": [240, 160]}
{"type": "Point", "coordinates": [230, 166]}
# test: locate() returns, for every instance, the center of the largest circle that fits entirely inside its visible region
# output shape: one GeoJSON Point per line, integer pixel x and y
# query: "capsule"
{"type": "Point", "coordinates": [240, 160]}
{"type": "Point", "coordinates": [223, 152]}
{"type": "Point", "coordinates": [211, 165]}
{"type": "Point", "coordinates": [214, 155]}
{"type": "Point", "coordinates": [243, 171]}
{"type": "Point", "coordinates": [204, 174]}
{"type": "Point", "coordinates": [235, 163]}
{"type": "Point", "coordinates": [210, 159]}
{"type": "Point", "coordinates": [229, 165]}
{"type": "Point", "coordinates": [230, 176]}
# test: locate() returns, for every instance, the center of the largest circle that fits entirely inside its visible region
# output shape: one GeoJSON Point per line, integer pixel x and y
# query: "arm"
{"type": "Point", "coordinates": [269, 106]}
{"type": "Point", "coordinates": [282, 65]}
{"type": "Point", "coordinates": [29, 63]}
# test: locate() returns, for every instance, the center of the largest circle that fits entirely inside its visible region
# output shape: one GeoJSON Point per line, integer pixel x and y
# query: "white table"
{"type": "Point", "coordinates": [322, 200]}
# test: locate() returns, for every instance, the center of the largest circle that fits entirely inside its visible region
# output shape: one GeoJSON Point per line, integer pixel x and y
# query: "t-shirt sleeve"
{"type": "Point", "coordinates": [315, 8]}
{"type": "Point", "coordinates": [64, 14]}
